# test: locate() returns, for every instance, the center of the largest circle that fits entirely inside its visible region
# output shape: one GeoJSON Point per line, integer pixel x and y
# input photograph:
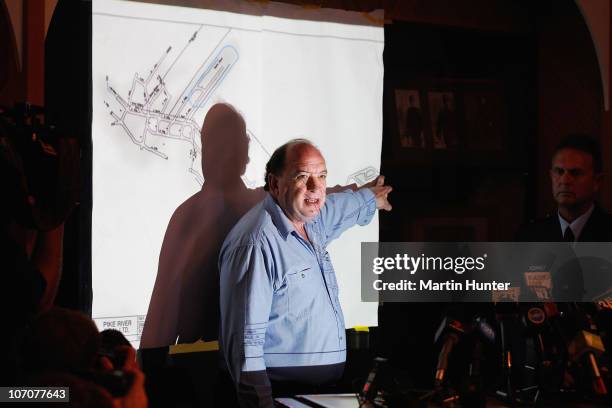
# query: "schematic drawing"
{"type": "Point", "coordinates": [363, 176]}
{"type": "Point", "coordinates": [150, 113]}
{"type": "Point", "coordinates": [149, 109]}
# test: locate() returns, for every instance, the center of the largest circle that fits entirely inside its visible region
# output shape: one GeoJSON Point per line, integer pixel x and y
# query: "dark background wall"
{"type": "Point", "coordinates": [450, 191]}
{"type": "Point", "coordinates": [570, 97]}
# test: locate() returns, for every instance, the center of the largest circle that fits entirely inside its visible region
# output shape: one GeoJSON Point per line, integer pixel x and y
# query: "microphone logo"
{"type": "Point", "coordinates": [536, 315]}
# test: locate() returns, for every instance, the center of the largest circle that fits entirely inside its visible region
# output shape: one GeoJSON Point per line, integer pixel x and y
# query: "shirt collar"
{"type": "Point", "coordinates": [578, 224]}
{"type": "Point", "coordinates": [279, 219]}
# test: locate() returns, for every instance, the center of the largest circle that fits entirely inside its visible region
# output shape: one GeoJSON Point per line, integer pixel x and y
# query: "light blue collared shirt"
{"type": "Point", "coordinates": [577, 225]}
{"type": "Point", "coordinates": [278, 292]}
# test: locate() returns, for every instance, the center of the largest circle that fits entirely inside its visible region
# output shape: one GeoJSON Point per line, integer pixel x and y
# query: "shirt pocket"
{"type": "Point", "coordinates": [303, 289]}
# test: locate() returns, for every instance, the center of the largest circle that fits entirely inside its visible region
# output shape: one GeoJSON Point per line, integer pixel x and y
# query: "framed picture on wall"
{"type": "Point", "coordinates": [410, 118]}
{"type": "Point", "coordinates": [443, 119]}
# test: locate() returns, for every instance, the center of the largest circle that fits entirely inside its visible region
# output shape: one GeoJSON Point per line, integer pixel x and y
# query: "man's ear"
{"type": "Point", "coordinates": [273, 183]}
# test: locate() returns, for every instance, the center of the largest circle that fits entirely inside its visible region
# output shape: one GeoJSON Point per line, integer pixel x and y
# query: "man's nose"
{"type": "Point", "coordinates": [314, 182]}
{"type": "Point", "coordinates": [566, 177]}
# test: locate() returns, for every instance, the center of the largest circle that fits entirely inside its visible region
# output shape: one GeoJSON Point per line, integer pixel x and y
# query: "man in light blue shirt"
{"type": "Point", "coordinates": [280, 313]}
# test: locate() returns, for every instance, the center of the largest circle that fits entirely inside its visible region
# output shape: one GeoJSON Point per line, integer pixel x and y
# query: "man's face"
{"type": "Point", "coordinates": [574, 182]}
{"type": "Point", "coordinates": [300, 189]}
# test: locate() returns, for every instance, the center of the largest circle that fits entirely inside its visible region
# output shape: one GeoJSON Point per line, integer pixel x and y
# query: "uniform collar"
{"type": "Point", "coordinates": [578, 224]}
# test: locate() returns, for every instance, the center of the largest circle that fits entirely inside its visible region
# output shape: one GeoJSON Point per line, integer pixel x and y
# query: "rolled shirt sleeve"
{"type": "Point", "coordinates": [246, 290]}
{"type": "Point", "coordinates": [343, 210]}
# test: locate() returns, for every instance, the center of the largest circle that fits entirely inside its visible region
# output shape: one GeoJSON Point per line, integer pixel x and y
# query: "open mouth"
{"type": "Point", "coordinates": [311, 201]}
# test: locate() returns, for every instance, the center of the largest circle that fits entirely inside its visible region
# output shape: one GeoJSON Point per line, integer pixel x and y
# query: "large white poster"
{"type": "Point", "coordinates": [157, 71]}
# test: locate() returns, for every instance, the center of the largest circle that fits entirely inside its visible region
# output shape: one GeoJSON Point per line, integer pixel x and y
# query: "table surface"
{"type": "Point", "coordinates": [350, 401]}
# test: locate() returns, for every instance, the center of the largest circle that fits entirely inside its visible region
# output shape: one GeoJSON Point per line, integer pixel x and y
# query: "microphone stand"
{"type": "Point", "coordinates": [506, 314]}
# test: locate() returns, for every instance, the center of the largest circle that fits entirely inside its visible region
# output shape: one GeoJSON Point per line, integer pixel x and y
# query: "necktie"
{"type": "Point", "coordinates": [568, 235]}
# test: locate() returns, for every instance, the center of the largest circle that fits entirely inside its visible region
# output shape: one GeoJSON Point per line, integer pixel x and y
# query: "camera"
{"type": "Point", "coordinates": [39, 166]}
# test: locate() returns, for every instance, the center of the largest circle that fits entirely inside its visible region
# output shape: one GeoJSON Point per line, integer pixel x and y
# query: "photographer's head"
{"type": "Point", "coordinates": [40, 171]}
{"type": "Point", "coordinates": [61, 340]}
{"type": "Point", "coordinates": [67, 343]}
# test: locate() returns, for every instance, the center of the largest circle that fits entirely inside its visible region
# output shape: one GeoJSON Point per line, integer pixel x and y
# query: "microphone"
{"type": "Point", "coordinates": [545, 349]}
{"type": "Point", "coordinates": [507, 314]}
{"type": "Point", "coordinates": [554, 317]}
{"type": "Point", "coordinates": [534, 320]}
{"type": "Point", "coordinates": [471, 391]}
{"type": "Point", "coordinates": [484, 329]}
{"type": "Point", "coordinates": [448, 334]}
{"type": "Point", "coordinates": [588, 346]}
{"type": "Point", "coordinates": [479, 330]}
{"type": "Point", "coordinates": [372, 384]}
{"type": "Point", "coordinates": [540, 284]}
{"type": "Point", "coordinates": [512, 295]}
